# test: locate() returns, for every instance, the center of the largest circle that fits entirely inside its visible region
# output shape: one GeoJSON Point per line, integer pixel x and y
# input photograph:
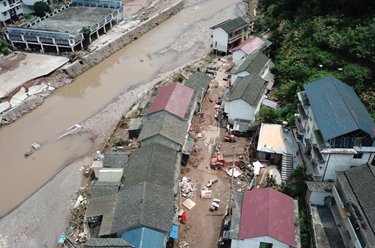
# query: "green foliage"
{"type": "Point", "coordinates": [86, 32]}
{"type": "Point", "coordinates": [4, 47]}
{"type": "Point", "coordinates": [314, 39]}
{"type": "Point", "coordinates": [41, 8]}
{"type": "Point", "coordinates": [117, 141]}
{"type": "Point", "coordinates": [29, 16]}
{"type": "Point", "coordinates": [179, 78]}
{"type": "Point", "coordinates": [269, 115]}
{"type": "Point", "coordinates": [299, 173]}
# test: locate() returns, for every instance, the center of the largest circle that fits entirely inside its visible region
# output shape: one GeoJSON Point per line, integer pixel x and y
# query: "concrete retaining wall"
{"type": "Point", "coordinates": [78, 67]}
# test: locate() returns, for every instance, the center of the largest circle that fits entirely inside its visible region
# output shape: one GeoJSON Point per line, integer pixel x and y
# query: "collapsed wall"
{"type": "Point", "coordinates": [86, 62]}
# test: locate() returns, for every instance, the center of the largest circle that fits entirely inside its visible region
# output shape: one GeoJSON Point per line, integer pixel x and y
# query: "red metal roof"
{"type": "Point", "coordinates": [250, 45]}
{"type": "Point", "coordinates": [267, 212]}
{"type": "Point", "coordinates": [174, 98]}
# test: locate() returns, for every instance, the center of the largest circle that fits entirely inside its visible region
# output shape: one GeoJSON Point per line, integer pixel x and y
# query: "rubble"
{"type": "Point", "coordinates": [187, 187]}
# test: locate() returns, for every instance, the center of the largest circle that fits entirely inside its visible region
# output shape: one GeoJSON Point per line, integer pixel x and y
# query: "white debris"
{"type": "Point", "coordinates": [36, 146]}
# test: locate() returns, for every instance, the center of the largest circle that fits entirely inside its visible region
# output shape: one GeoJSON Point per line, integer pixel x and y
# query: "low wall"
{"type": "Point", "coordinates": [86, 62]}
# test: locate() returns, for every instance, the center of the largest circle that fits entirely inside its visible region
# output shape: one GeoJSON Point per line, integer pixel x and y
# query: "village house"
{"type": "Point", "coordinates": [275, 147]}
{"type": "Point", "coordinates": [244, 99]}
{"type": "Point", "coordinates": [145, 204]}
{"type": "Point", "coordinates": [10, 11]}
{"type": "Point", "coordinates": [174, 99]}
{"type": "Point", "coordinates": [264, 218]}
{"type": "Point", "coordinates": [254, 64]}
{"type": "Point", "coordinates": [111, 168]}
{"type": "Point", "coordinates": [319, 193]}
{"type": "Point", "coordinates": [336, 130]}
{"type": "Point", "coordinates": [229, 34]}
{"type": "Point", "coordinates": [353, 205]}
{"type": "Point", "coordinates": [165, 130]}
{"type": "Point", "coordinates": [249, 46]}
{"type": "Point", "coordinates": [199, 82]}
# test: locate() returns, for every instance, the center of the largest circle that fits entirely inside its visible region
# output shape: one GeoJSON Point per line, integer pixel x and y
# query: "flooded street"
{"type": "Point", "coordinates": [20, 177]}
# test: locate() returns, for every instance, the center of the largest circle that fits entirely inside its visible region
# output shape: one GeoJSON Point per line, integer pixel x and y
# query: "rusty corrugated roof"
{"type": "Point", "coordinates": [267, 212]}
{"type": "Point", "coordinates": [174, 98]}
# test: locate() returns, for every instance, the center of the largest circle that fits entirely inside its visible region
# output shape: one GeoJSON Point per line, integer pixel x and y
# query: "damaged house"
{"type": "Point", "coordinates": [249, 46]}
{"type": "Point", "coordinates": [199, 82]}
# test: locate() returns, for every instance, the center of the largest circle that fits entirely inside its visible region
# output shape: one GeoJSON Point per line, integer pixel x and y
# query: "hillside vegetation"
{"type": "Point", "coordinates": [316, 38]}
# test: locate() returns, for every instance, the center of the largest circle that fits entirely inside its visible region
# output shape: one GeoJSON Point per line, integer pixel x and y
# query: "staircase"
{"type": "Point", "coordinates": [286, 166]}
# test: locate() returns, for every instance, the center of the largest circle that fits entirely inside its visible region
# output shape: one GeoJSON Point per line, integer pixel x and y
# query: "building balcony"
{"type": "Point", "coordinates": [235, 38]}
{"type": "Point", "coordinates": [299, 125]}
{"type": "Point", "coordinates": [302, 112]}
{"type": "Point", "coordinates": [318, 155]}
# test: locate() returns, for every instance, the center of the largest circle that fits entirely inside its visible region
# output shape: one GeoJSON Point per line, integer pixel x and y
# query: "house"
{"type": "Point", "coordinates": [112, 167]}
{"type": "Point", "coordinates": [174, 99]}
{"type": "Point", "coordinates": [354, 196]}
{"type": "Point", "coordinates": [199, 82]}
{"type": "Point", "coordinates": [165, 130]}
{"type": "Point", "coordinates": [102, 203]}
{"type": "Point", "coordinates": [229, 34]}
{"type": "Point", "coordinates": [273, 148]}
{"type": "Point", "coordinates": [264, 218]}
{"type": "Point", "coordinates": [249, 46]}
{"type": "Point", "coordinates": [319, 193]}
{"type": "Point", "coordinates": [145, 204]}
{"type": "Point", "coordinates": [336, 130]}
{"type": "Point", "coordinates": [244, 99]}
{"type": "Point", "coordinates": [10, 11]}
{"type": "Point", "coordinates": [253, 64]}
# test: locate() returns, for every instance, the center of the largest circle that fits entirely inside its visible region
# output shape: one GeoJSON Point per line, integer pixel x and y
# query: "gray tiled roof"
{"type": "Point", "coordinates": [199, 82]}
{"type": "Point", "coordinates": [337, 108]}
{"type": "Point", "coordinates": [253, 63]}
{"type": "Point", "coordinates": [107, 243]}
{"type": "Point", "coordinates": [249, 88]}
{"type": "Point", "coordinates": [144, 204]}
{"type": "Point", "coordinates": [155, 164]}
{"type": "Point", "coordinates": [231, 24]}
{"type": "Point", "coordinates": [362, 181]}
{"type": "Point", "coordinates": [100, 189]}
{"type": "Point", "coordinates": [115, 159]}
{"type": "Point", "coordinates": [167, 126]}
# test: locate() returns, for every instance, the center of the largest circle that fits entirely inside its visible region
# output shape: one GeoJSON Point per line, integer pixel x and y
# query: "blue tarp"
{"type": "Point", "coordinates": [144, 238]}
{"type": "Point", "coordinates": [174, 233]}
{"type": "Point", "coordinates": [62, 239]}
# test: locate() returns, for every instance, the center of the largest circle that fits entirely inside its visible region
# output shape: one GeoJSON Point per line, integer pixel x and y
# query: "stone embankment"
{"type": "Point", "coordinates": [66, 74]}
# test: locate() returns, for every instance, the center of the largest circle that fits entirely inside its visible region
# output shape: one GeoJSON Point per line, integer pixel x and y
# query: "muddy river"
{"type": "Point", "coordinates": [20, 177]}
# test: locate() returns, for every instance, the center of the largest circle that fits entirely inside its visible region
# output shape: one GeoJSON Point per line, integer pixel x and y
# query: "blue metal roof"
{"type": "Point", "coordinates": [144, 238]}
{"type": "Point", "coordinates": [174, 233]}
{"type": "Point", "coordinates": [337, 108]}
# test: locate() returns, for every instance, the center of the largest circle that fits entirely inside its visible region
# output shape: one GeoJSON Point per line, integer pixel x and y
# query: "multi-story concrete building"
{"type": "Point", "coordinates": [336, 130]}
{"type": "Point", "coordinates": [10, 10]}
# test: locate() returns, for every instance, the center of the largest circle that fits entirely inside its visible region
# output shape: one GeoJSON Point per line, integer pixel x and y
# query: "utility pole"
{"type": "Point", "coordinates": [231, 181]}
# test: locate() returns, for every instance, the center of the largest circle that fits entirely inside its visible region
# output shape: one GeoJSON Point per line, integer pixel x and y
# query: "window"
{"type": "Point", "coordinates": [359, 155]}
{"type": "Point", "coordinates": [5, 3]}
{"type": "Point", "coordinates": [265, 245]}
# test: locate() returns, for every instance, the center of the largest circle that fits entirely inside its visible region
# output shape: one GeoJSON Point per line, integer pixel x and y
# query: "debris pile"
{"type": "Point", "coordinates": [187, 187]}
{"type": "Point", "coordinates": [183, 244]}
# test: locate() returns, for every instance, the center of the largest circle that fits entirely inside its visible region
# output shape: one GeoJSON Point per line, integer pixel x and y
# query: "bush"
{"type": "Point", "coordinates": [86, 32]}
{"type": "Point", "coordinates": [4, 47]}
{"type": "Point", "coordinates": [41, 8]}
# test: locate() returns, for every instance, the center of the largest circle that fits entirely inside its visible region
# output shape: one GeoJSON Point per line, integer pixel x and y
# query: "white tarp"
{"type": "Point", "coordinates": [257, 165]}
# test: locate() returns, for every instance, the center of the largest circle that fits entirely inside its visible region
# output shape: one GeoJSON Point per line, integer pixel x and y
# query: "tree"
{"type": "Point", "coordinates": [41, 8]}
{"type": "Point", "coordinates": [86, 32]}
{"type": "Point", "coordinates": [268, 115]}
{"type": "Point", "coordinates": [4, 47]}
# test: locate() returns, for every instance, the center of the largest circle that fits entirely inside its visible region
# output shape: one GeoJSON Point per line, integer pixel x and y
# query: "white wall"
{"type": "Point", "coordinates": [220, 40]}
{"type": "Point", "coordinates": [238, 55]}
{"type": "Point", "coordinates": [239, 109]}
{"type": "Point", "coordinates": [317, 198]}
{"type": "Point", "coordinates": [255, 242]}
{"type": "Point", "coordinates": [342, 162]}
{"type": "Point", "coordinates": [236, 75]}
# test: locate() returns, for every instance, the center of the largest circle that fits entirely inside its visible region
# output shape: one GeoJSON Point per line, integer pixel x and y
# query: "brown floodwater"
{"type": "Point", "coordinates": [20, 176]}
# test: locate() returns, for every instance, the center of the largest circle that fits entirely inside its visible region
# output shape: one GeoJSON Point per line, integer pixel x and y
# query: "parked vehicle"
{"type": "Point", "coordinates": [219, 162]}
